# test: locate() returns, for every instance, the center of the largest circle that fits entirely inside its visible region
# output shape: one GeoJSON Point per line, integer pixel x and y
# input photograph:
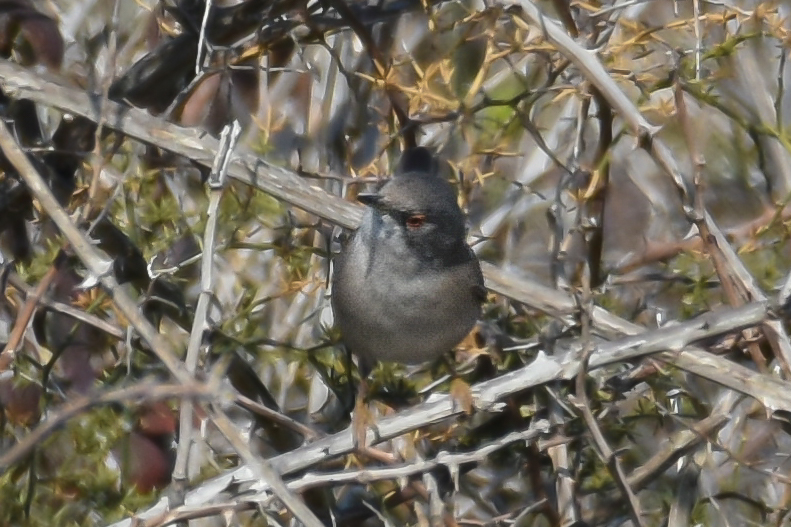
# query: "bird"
{"type": "Point", "coordinates": [406, 286]}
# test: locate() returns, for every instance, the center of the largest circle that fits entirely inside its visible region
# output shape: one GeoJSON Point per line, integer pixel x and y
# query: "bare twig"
{"type": "Point", "coordinates": [141, 391]}
{"type": "Point", "coordinates": [65, 309]}
{"type": "Point", "coordinates": [382, 67]}
{"type": "Point", "coordinates": [200, 324]}
{"type": "Point", "coordinates": [283, 420]}
{"type": "Point", "coordinates": [194, 512]}
{"type": "Point", "coordinates": [23, 319]}
{"type": "Point", "coordinates": [737, 282]}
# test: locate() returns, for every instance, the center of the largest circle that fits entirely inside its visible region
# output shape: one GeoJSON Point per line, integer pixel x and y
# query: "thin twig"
{"type": "Point", "coordinates": [142, 391]}
{"type": "Point", "coordinates": [23, 319]}
{"type": "Point", "coordinates": [200, 325]}
{"type": "Point", "coordinates": [281, 419]}
{"type": "Point", "coordinates": [737, 282]}
{"type": "Point", "coordinates": [65, 309]}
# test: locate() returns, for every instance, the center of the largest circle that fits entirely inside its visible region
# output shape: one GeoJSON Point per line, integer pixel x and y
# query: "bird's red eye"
{"type": "Point", "coordinates": [415, 221]}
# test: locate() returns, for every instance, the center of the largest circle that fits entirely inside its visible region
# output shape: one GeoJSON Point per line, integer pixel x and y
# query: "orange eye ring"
{"type": "Point", "coordinates": [415, 221]}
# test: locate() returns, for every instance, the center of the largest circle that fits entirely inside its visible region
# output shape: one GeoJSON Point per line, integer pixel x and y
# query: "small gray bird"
{"type": "Point", "coordinates": [407, 288]}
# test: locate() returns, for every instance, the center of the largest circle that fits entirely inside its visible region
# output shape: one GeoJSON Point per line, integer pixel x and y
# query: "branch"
{"type": "Point", "coordinates": [487, 396]}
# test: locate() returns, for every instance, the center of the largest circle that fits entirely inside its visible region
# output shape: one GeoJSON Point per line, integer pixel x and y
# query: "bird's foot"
{"type": "Point", "coordinates": [461, 394]}
{"type": "Point", "coordinates": [361, 420]}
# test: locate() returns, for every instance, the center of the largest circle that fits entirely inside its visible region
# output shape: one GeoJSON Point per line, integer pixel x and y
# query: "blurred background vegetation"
{"type": "Point", "coordinates": [560, 186]}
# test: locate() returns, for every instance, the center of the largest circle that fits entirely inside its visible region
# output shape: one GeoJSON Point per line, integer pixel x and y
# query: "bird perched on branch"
{"type": "Point", "coordinates": [407, 288]}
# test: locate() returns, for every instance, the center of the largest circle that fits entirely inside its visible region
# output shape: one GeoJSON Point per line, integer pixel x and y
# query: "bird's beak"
{"type": "Point", "coordinates": [372, 200]}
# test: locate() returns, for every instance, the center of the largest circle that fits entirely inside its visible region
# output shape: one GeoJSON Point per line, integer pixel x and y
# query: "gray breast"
{"type": "Point", "coordinates": [387, 311]}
